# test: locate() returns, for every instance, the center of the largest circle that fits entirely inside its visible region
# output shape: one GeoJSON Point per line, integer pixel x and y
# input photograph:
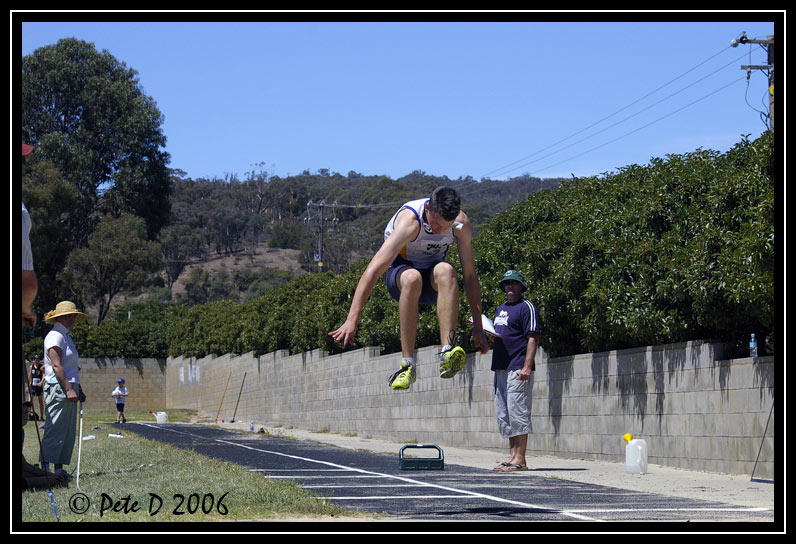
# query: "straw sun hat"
{"type": "Point", "coordinates": [64, 308]}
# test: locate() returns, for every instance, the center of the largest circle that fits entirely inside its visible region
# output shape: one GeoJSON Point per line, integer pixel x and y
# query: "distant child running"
{"type": "Point", "coordinates": [120, 394]}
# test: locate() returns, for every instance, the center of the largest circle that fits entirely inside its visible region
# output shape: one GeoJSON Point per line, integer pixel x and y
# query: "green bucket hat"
{"type": "Point", "coordinates": [513, 275]}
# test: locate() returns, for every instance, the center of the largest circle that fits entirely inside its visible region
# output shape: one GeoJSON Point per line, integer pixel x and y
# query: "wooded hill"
{"type": "Point", "coordinates": [232, 216]}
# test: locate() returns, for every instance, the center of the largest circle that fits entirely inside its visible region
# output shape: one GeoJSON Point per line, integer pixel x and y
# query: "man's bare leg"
{"type": "Point", "coordinates": [446, 283]}
{"type": "Point", "coordinates": [517, 445]}
{"type": "Point", "coordinates": [411, 284]}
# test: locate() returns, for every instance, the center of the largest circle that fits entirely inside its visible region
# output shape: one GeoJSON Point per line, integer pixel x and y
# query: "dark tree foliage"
{"type": "Point", "coordinates": [86, 113]}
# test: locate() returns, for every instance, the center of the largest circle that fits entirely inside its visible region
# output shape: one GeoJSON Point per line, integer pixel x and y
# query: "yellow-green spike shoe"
{"type": "Point", "coordinates": [451, 362]}
{"type": "Point", "coordinates": [404, 378]}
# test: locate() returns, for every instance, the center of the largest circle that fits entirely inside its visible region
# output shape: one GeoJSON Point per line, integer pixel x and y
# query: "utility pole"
{"type": "Point", "coordinates": [769, 44]}
{"type": "Point", "coordinates": [320, 221]}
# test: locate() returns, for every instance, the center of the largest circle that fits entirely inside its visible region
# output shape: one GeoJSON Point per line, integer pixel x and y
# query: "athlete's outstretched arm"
{"type": "Point", "coordinates": [406, 229]}
{"type": "Point", "coordinates": [472, 287]}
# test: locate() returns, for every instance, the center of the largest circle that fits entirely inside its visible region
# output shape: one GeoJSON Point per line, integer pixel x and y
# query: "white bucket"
{"type": "Point", "coordinates": [636, 456]}
{"type": "Point", "coordinates": [161, 417]}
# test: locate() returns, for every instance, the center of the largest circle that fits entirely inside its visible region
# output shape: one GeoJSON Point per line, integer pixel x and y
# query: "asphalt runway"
{"type": "Point", "coordinates": [375, 482]}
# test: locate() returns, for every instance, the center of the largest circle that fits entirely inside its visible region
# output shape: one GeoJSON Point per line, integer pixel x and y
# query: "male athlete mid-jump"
{"type": "Point", "coordinates": [416, 242]}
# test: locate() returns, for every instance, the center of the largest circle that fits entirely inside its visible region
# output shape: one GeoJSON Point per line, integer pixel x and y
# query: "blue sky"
{"type": "Point", "coordinates": [456, 99]}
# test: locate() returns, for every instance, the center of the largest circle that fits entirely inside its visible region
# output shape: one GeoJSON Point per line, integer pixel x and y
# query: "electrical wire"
{"type": "Point", "coordinates": [488, 187]}
{"type": "Point", "coordinates": [626, 134]}
{"type": "Point", "coordinates": [462, 184]}
{"type": "Point", "coordinates": [674, 112]}
{"type": "Point", "coordinates": [612, 114]}
{"type": "Point", "coordinates": [643, 126]}
{"type": "Point", "coordinates": [616, 112]}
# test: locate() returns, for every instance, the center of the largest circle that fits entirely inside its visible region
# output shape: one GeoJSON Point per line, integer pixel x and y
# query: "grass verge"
{"type": "Point", "coordinates": [132, 479]}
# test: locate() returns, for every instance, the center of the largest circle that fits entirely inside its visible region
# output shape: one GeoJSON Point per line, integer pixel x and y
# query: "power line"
{"type": "Point", "coordinates": [674, 112]}
{"type": "Point", "coordinates": [644, 126]}
{"type": "Point", "coordinates": [622, 136]}
{"type": "Point", "coordinates": [470, 182]}
{"type": "Point", "coordinates": [626, 118]}
{"type": "Point", "coordinates": [615, 113]}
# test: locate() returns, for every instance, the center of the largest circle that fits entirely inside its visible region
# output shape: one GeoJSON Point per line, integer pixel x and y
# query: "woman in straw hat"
{"type": "Point", "coordinates": [61, 385]}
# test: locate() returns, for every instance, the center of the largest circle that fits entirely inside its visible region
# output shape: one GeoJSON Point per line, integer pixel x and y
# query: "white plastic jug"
{"type": "Point", "coordinates": [636, 456]}
{"type": "Point", "coordinates": [161, 417]}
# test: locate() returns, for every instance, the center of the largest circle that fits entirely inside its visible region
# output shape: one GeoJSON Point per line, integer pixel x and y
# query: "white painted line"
{"type": "Point", "coordinates": [731, 509]}
{"type": "Point", "coordinates": [392, 498]}
{"type": "Point", "coordinates": [358, 486]}
{"type": "Point", "coordinates": [324, 477]}
{"type": "Point", "coordinates": [298, 470]}
{"type": "Point", "coordinates": [400, 478]}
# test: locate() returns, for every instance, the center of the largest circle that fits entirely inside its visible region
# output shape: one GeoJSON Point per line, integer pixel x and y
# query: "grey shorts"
{"type": "Point", "coordinates": [512, 403]}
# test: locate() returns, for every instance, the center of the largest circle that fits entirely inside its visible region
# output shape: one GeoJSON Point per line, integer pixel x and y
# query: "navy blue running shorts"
{"type": "Point", "coordinates": [427, 296]}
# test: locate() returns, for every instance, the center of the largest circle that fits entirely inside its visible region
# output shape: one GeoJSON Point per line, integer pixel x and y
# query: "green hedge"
{"type": "Point", "coordinates": [679, 249]}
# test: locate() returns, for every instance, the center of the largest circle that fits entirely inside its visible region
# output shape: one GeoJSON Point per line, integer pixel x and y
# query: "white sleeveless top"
{"type": "Point", "coordinates": [426, 249]}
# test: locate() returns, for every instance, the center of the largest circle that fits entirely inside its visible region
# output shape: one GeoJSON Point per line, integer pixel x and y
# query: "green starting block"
{"type": "Point", "coordinates": [421, 463]}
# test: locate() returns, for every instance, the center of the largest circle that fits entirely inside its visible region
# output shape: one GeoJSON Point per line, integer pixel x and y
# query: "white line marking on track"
{"type": "Point", "coordinates": [737, 509]}
{"type": "Point", "coordinates": [358, 476]}
{"type": "Point", "coordinates": [360, 486]}
{"type": "Point", "coordinates": [461, 492]}
{"type": "Point", "coordinates": [298, 470]}
{"type": "Point", "coordinates": [392, 497]}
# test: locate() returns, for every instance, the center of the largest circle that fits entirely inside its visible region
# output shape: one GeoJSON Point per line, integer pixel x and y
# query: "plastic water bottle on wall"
{"type": "Point", "coordinates": [753, 346]}
{"type": "Point", "coordinates": [251, 426]}
{"type": "Point", "coordinates": [635, 454]}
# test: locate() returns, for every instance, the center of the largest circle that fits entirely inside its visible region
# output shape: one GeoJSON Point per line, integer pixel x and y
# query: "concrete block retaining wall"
{"type": "Point", "coordinates": [144, 378]}
{"type": "Point", "coordinates": [695, 410]}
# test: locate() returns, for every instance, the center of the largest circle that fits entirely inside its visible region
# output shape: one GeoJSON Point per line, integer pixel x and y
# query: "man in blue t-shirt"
{"type": "Point", "coordinates": [517, 327]}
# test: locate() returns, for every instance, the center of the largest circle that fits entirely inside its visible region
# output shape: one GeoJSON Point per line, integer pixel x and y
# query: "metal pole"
{"type": "Point", "coordinates": [763, 440]}
{"type": "Point", "coordinates": [223, 395]}
{"type": "Point", "coordinates": [79, 446]}
{"type": "Point", "coordinates": [46, 475]}
{"type": "Point", "coordinates": [239, 393]}
{"type": "Point", "coordinates": [769, 45]}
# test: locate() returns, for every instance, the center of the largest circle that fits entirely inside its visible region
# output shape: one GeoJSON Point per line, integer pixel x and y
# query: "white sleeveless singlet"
{"type": "Point", "coordinates": [426, 249]}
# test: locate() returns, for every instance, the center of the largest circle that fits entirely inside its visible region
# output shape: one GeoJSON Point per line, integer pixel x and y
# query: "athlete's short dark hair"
{"type": "Point", "coordinates": [445, 201]}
